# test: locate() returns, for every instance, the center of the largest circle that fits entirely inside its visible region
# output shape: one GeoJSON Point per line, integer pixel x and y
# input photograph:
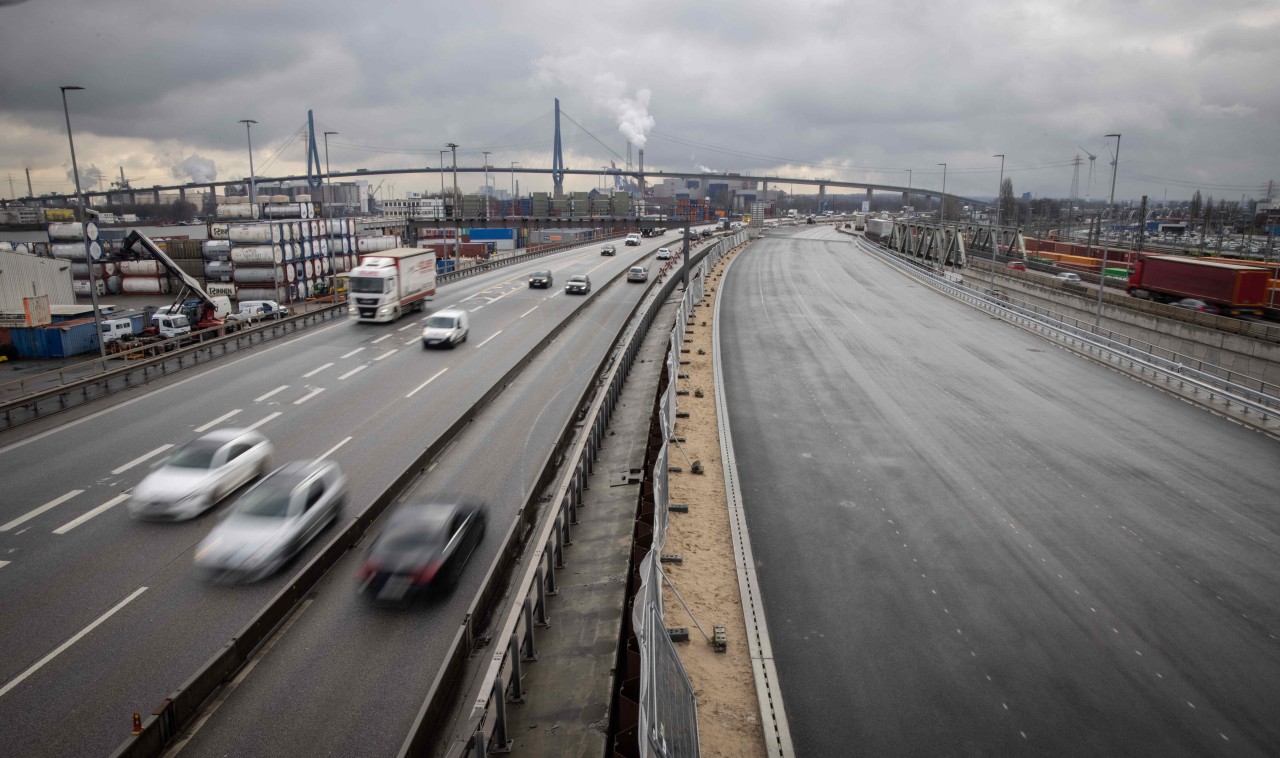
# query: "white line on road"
{"type": "Point", "coordinates": [553, 294]}
{"type": "Point", "coordinates": [531, 310]}
{"type": "Point", "coordinates": [215, 422]}
{"type": "Point", "coordinates": [473, 310]}
{"type": "Point", "coordinates": [257, 424]}
{"type": "Point", "coordinates": [41, 509]}
{"type": "Point", "coordinates": [281, 388]}
{"type": "Point", "coordinates": [146, 456]}
{"type": "Point", "coordinates": [491, 336]}
{"type": "Point", "coordinates": [73, 523]}
{"type": "Point", "coordinates": [36, 666]}
{"type": "Point", "coordinates": [308, 396]}
{"type": "Point", "coordinates": [335, 447]}
{"type": "Point", "coordinates": [315, 371]}
{"type": "Point", "coordinates": [353, 352]}
{"type": "Point", "coordinates": [406, 326]}
{"type": "Point", "coordinates": [4, 563]}
{"type": "Point", "coordinates": [388, 354]}
{"type": "Point", "coordinates": [429, 381]}
{"type": "Point", "coordinates": [355, 370]}
{"type": "Point", "coordinates": [383, 337]}
{"type": "Point", "coordinates": [410, 342]}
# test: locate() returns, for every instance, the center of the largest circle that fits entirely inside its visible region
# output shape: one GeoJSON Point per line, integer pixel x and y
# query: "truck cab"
{"type": "Point", "coordinates": [170, 325]}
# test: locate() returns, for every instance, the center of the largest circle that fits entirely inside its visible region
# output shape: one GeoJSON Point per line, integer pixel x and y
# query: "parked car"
{"type": "Point", "coordinates": [637, 274]}
{"type": "Point", "coordinates": [1192, 304]}
{"type": "Point", "coordinates": [447, 328]}
{"type": "Point", "coordinates": [421, 547]}
{"type": "Point", "coordinates": [664, 253]}
{"type": "Point", "coordinates": [273, 522]}
{"type": "Point", "coordinates": [199, 474]}
{"type": "Point", "coordinates": [1016, 265]}
{"type": "Point", "coordinates": [261, 309]}
{"type": "Point", "coordinates": [579, 284]}
{"type": "Point", "coordinates": [1067, 276]}
{"type": "Point", "coordinates": [540, 279]}
{"type": "Point", "coordinates": [608, 249]}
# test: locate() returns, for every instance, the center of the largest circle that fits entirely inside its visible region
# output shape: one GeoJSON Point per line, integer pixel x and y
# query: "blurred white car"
{"type": "Point", "coordinates": [1067, 276]}
{"type": "Point", "coordinates": [273, 521]}
{"type": "Point", "coordinates": [262, 309]}
{"type": "Point", "coordinates": [199, 474]}
{"type": "Point", "coordinates": [664, 253]}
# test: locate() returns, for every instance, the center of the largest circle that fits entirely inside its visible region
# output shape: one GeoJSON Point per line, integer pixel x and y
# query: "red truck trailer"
{"type": "Point", "coordinates": [1236, 289]}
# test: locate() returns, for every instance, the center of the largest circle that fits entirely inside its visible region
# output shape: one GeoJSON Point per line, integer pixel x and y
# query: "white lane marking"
{"type": "Point", "coordinates": [353, 352]}
{"type": "Point", "coordinates": [429, 381]}
{"type": "Point", "coordinates": [57, 651]}
{"type": "Point", "coordinates": [531, 310]}
{"type": "Point", "coordinates": [216, 421]}
{"type": "Point", "coordinates": [355, 370]}
{"type": "Point", "coordinates": [553, 294]}
{"type": "Point", "coordinates": [473, 310]}
{"type": "Point", "coordinates": [52, 503]}
{"type": "Point", "coordinates": [4, 563]}
{"type": "Point", "coordinates": [257, 424]}
{"type": "Point", "coordinates": [388, 354]}
{"type": "Point", "coordinates": [281, 388]}
{"type": "Point", "coordinates": [308, 396]}
{"type": "Point", "coordinates": [383, 337]}
{"type": "Point", "coordinates": [315, 371]}
{"type": "Point", "coordinates": [410, 342]}
{"type": "Point", "coordinates": [145, 457]}
{"type": "Point", "coordinates": [332, 449]}
{"type": "Point", "coordinates": [406, 326]}
{"type": "Point", "coordinates": [73, 523]}
{"type": "Point", "coordinates": [495, 334]}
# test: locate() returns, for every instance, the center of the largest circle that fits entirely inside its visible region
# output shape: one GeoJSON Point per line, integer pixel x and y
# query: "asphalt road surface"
{"type": "Point", "coordinates": [971, 542]}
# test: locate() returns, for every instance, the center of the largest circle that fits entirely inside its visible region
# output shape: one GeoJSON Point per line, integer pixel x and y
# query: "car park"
{"type": "Point", "coordinates": [1067, 276]}
{"type": "Point", "coordinates": [1192, 304]}
{"type": "Point", "coordinates": [637, 274]}
{"type": "Point", "coordinates": [664, 253]}
{"type": "Point", "coordinates": [578, 284]}
{"type": "Point", "coordinates": [199, 474]}
{"type": "Point", "coordinates": [540, 278]}
{"type": "Point", "coordinates": [608, 248]}
{"type": "Point", "coordinates": [421, 547]}
{"type": "Point", "coordinates": [446, 328]}
{"type": "Point", "coordinates": [273, 521]}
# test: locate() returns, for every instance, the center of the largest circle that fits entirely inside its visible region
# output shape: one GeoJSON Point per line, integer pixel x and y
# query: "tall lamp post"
{"type": "Point", "coordinates": [1102, 280]}
{"type": "Point", "coordinates": [253, 189]}
{"type": "Point", "coordinates": [324, 208]}
{"type": "Point", "coordinates": [513, 187]}
{"type": "Point", "coordinates": [486, 183]}
{"type": "Point", "coordinates": [84, 224]}
{"type": "Point", "coordinates": [442, 152]}
{"type": "Point", "coordinates": [457, 231]}
{"type": "Point", "coordinates": [942, 210]}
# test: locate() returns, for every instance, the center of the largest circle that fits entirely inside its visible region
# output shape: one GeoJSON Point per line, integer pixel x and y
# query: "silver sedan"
{"type": "Point", "coordinates": [199, 474]}
{"type": "Point", "coordinates": [273, 522]}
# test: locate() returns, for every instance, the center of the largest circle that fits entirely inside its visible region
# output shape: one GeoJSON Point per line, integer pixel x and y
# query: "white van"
{"type": "Point", "coordinates": [171, 325]}
{"type": "Point", "coordinates": [262, 309]}
{"type": "Point", "coordinates": [445, 329]}
{"type": "Point", "coordinates": [633, 239]}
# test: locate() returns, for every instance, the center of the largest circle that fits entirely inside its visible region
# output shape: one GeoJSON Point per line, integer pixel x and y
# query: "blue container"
{"type": "Point", "coordinates": [61, 340]}
{"type": "Point", "coordinates": [483, 235]}
{"type": "Point", "coordinates": [444, 265]}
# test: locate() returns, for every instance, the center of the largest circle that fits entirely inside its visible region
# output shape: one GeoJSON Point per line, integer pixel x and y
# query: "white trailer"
{"type": "Point", "coordinates": [389, 283]}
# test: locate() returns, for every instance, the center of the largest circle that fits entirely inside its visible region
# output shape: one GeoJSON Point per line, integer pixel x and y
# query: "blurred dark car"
{"type": "Point", "coordinates": [421, 547]}
{"type": "Point", "coordinates": [1192, 304]}
{"type": "Point", "coordinates": [579, 284]}
{"type": "Point", "coordinates": [540, 279]}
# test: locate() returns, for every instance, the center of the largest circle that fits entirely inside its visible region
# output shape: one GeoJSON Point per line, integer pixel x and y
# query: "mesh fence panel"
{"type": "Point", "coordinates": [671, 718]}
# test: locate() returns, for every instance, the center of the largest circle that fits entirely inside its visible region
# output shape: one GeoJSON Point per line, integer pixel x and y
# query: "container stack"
{"type": "Point", "coordinates": [282, 259]}
{"type": "Point", "coordinates": [232, 207]}
{"type": "Point", "coordinates": [66, 241]}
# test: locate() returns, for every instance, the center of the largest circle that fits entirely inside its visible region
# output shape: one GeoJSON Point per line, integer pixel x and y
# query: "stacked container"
{"type": "Point", "coordinates": [281, 259]}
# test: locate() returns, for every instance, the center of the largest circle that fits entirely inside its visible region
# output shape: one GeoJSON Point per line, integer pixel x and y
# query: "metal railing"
{"type": "Point", "coordinates": [1247, 399]}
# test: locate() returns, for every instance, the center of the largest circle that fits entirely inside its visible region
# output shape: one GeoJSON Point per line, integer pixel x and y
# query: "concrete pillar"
{"type": "Point", "coordinates": [182, 194]}
{"type": "Point", "coordinates": [868, 199]}
{"type": "Point", "coordinates": [155, 196]}
{"type": "Point", "coordinates": [822, 196]}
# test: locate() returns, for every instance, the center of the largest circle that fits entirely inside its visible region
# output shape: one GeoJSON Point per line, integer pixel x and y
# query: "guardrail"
{"type": "Point", "coordinates": [178, 709]}
{"type": "Point", "coordinates": [171, 355]}
{"type": "Point", "coordinates": [485, 726]}
{"type": "Point", "coordinates": [1249, 400]}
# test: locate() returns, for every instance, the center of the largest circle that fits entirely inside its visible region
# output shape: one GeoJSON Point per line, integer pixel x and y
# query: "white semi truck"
{"type": "Point", "coordinates": [386, 284]}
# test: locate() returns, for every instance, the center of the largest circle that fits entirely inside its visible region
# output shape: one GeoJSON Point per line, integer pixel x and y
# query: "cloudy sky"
{"type": "Point", "coordinates": [853, 91]}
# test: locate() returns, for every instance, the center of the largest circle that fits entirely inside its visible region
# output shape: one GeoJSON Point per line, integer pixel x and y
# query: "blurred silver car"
{"type": "Point", "coordinates": [273, 521]}
{"type": "Point", "coordinates": [199, 474]}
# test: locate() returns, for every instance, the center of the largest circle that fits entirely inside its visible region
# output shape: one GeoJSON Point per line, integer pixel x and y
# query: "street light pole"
{"type": "Point", "coordinates": [1102, 280]}
{"type": "Point", "coordinates": [457, 231]}
{"type": "Point", "coordinates": [442, 152]}
{"type": "Point", "coordinates": [324, 212]}
{"type": "Point", "coordinates": [84, 224]}
{"type": "Point", "coordinates": [253, 189]}
{"type": "Point", "coordinates": [513, 187]}
{"type": "Point", "coordinates": [942, 210]}
{"type": "Point", "coordinates": [486, 183]}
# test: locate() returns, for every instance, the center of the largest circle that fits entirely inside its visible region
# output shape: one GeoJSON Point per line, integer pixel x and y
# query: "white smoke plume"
{"type": "Point", "coordinates": [199, 168]}
{"type": "Point", "coordinates": [606, 90]}
{"type": "Point", "coordinates": [707, 170]}
{"type": "Point", "coordinates": [90, 176]}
